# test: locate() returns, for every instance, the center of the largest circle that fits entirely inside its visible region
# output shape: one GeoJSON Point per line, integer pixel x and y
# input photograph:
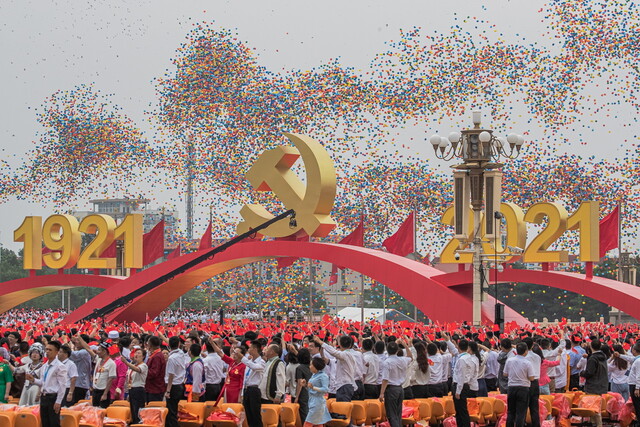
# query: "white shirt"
{"type": "Point", "coordinates": [446, 367]}
{"type": "Point", "coordinates": [102, 372]}
{"type": "Point", "coordinates": [535, 363]}
{"type": "Point", "coordinates": [72, 371]}
{"type": "Point", "coordinates": [254, 371]}
{"type": "Point", "coordinates": [466, 372]}
{"type": "Point", "coordinates": [394, 369]}
{"type": "Point", "coordinates": [280, 380]}
{"type": "Point", "coordinates": [518, 369]}
{"type": "Point", "coordinates": [372, 366]}
{"type": "Point", "coordinates": [381, 358]}
{"type": "Point", "coordinates": [561, 370]}
{"type": "Point", "coordinates": [53, 379]}
{"type": "Point", "coordinates": [435, 369]}
{"type": "Point", "coordinates": [492, 366]}
{"type": "Point", "coordinates": [634, 373]}
{"type": "Point", "coordinates": [346, 367]}
{"type": "Point", "coordinates": [213, 368]}
{"type": "Point", "coordinates": [175, 366]}
{"type": "Point", "coordinates": [617, 376]}
{"type": "Point", "coordinates": [549, 354]}
{"type": "Point", "coordinates": [138, 379]}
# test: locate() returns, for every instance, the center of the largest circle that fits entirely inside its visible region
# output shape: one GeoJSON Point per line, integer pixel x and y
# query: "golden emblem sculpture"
{"type": "Point", "coordinates": [312, 202]}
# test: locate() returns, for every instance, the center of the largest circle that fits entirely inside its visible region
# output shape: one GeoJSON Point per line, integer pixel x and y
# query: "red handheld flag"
{"type": "Point", "coordinates": [402, 242]}
{"type": "Point", "coordinates": [609, 231]}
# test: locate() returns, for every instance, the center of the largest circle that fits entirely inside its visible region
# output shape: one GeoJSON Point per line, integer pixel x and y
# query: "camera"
{"type": "Point", "coordinates": [457, 256]}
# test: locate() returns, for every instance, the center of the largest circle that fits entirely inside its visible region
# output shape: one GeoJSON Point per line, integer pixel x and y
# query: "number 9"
{"type": "Point", "coordinates": [60, 234]}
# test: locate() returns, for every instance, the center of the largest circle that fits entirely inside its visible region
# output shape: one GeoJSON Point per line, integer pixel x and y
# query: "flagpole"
{"type": "Point", "coordinates": [362, 277]}
{"type": "Point", "coordinates": [415, 249]}
{"type": "Point", "coordinates": [620, 278]}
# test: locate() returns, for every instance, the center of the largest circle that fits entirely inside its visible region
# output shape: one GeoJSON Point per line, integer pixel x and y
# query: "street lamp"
{"type": "Point", "coordinates": [477, 185]}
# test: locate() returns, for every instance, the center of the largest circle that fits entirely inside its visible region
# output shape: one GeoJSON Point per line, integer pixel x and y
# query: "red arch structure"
{"type": "Point", "coordinates": [442, 297]}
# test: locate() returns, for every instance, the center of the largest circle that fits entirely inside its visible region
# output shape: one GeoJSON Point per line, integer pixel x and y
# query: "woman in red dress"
{"type": "Point", "coordinates": [235, 374]}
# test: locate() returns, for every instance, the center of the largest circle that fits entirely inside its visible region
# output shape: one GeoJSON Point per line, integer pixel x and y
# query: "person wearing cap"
{"type": "Point", "coordinates": [575, 355]}
{"type": "Point", "coordinates": [82, 359]}
{"type": "Point", "coordinates": [114, 336]}
{"type": "Point", "coordinates": [136, 378]}
{"type": "Point", "coordinates": [104, 375]}
{"type": "Point", "coordinates": [31, 392]}
{"type": "Point", "coordinates": [52, 381]}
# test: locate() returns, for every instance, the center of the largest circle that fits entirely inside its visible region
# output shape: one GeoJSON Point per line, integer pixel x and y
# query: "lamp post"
{"type": "Point", "coordinates": [477, 186]}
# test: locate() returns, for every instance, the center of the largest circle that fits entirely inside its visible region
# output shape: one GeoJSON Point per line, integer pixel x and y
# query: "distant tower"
{"type": "Point", "coordinates": [190, 173]}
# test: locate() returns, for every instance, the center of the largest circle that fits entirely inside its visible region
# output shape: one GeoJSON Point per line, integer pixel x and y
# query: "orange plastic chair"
{"type": "Point", "coordinates": [295, 407]}
{"type": "Point", "coordinates": [287, 417]}
{"type": "Point", "coordinates": [449, 408]}
{"type": "Point", "coordinates": [8, 419]}
{"type": "Point", "coordinates": [344, 408]}
{"type": "Point", "coordinates": [359, 412]}
{"type": "Point", "coordinates": [588, 406]}
{"type": "Point", "coordinates": [270, 416]}
{"type": "Point", "coordinates": [374, 411]}
{"type": "Point", "coordinates": [161, 417]}
{"type": "Point", "coordinates": [195, 408]}
{"type": "Point", "coordinates": [69, 418]}
{"type": "Point", "coordinates": [437, 412]}
{"type": "Point", "coordinates": [120, 412]}
{"type": "Point", "coordinates": [237, 409]}
{"type": "Point", "coordinates": [156, 404]}
{"type": "Point", "coordinates": [101, 414]}
{"type": "Point", "coordinates": [26, 419]}
{"type": "Point", "coordinates": [484, 412]}
{"type": "Point", "coordinates": [121, 403]}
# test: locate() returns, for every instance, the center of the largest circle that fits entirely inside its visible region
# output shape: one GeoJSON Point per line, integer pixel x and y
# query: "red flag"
{"type": "Point", "coordinates": [403, 241]}
{"type": "Point", "coordinates": [609, 231]}
{"type": "Point", "coordinates": [284, 262]}
{"type": "Point", "coordinates": [205, 240]}
{"type": "Point", "coordinates": [153, 244]}
{"type": "Point", "coordinates": [174, 253]}
{"type": "Point", "coordinates": [427, 259]}
{"type": "Point", "coordinates": [355, 238]}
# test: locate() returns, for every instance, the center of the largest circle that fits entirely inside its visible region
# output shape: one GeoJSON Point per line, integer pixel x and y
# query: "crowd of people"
{"type": "Point", "coordinates": [256, 362]}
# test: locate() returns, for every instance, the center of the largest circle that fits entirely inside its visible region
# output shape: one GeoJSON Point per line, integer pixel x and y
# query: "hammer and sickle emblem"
{"type": "Point", "coordinates": [312, 203]}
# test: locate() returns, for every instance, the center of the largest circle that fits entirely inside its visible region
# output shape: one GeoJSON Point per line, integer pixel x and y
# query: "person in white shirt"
{"type": "Point", "coordinates": [618, 368]}
{"type": "Point", "coordinates": [634, 378]}
{"type": "Point", "coordinates": [174, 378]}
{"type": "Point", "coordinates": [394, 370]}
{"type": "Point", "coordinates": [273, 378]}
{"type": "Point", "coordinates": [251, 398]}
{"type": "Point", "coordinates": [465, 382]}
{"type": "Point", "coordinates": [421, 372]}
{"type": "Point", "coordinates": [560, 383]}
{"type": "Point", "coordinates": [491, 371]}
{"type": "Point", "coordinates": [534, 388]}
{"type": "Point", "coordinates": [136, 379]}
{"type": "Point", "coordinates": [436, 366]}
{"type": "Point", "coordinates": [213, 373]}
{"type": "Point", "coordinates": [381, 354]}
{"type": "Point", "coordinates": [104, 374]}
{"type": "Point", "coordinates": [72, 374]}
{"type": "Point", "coordinates": [519, 372]}
{"type": "Point", "coordinates": [347, 370]}
{"type": "Point", "coordinates": [52, 382]}
{"type": "Point", "coordinates": [372, 366]}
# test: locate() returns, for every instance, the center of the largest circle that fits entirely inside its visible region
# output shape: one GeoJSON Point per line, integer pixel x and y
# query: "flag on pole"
{"type": "Point", "coordinates": [205, 240]}
{"type": "Point", "coordinates": [174, 253]}
{"type": "Point", "coordinates": [284, 262]}
{"type": "Point", "coordinates": [355, 238]}
{"type": "Point", "coordinates": [609, 228]}
{"type": "Point", "coordinates": [153, 244]}
{"type": "Point", "coordinates": [402, 242]}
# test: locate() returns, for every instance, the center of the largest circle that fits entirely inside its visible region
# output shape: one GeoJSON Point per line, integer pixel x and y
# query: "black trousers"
{"type": "Point", "coordinates": [574, 381]}
{"type": "Point", "coordinates": [47, 413]}
{"type": "Point", "coordinates": [137, 397]}
{"type": "Point", "coordinates": [492, 384]}
{"type": "Point", "coordinates": [175, 395]}
{"type": "Point", "coordinates": [371, 391]}
{"type": "Point", "coordinates": [252, 403]}
{"type": "Point", "coordinates": [211, 393]}
{"type": "Point", "coordinates": [96, 399]}
{"type": "Point", "coordinates": [303, 401]}
{"type": "Point", "coordinates": [534, 406]}
{"type": "Point", "coordinates": [393, 397]}
{"type": "Point", "coordinates": [66, 403]}
{"type": "Point", "coordinates": [420, 391]}
{"type": "Point", "coordinates": [345, 393]}
{"type": "Point", "coordinates": [79, 393]}
{"type": "Point", "coordinates": [462, 412]}
{"type": "Point", "coordinates": [517, 403]}
{"type": "Point", "coordinates": [408, 393]}
{"type": "Point", "coordinates": [635, 400]}
{"type": "Point", "coordinates": [436, 390]}
{"type": "Point", "coordinates": [154, 397]}
{"type": "Point", "coordinates": [358, 394]}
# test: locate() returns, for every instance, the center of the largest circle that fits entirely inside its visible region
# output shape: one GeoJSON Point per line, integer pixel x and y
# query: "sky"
{"type": "Point", "coordinates": [122, 46]}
